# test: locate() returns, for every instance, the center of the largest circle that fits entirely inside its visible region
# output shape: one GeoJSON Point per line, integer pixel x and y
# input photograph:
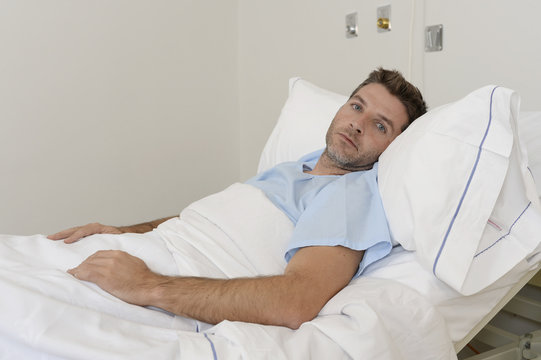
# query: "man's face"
{"type": "Point", "coordinates": [363, 128]}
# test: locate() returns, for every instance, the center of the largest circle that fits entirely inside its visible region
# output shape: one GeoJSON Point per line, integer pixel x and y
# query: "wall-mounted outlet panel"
{"type": "Point", "coordinates": [383, 23]}
{"type": "Point", "coordinates": [352, 29]}
{"type": "Point", "coordinates": [434, 38]}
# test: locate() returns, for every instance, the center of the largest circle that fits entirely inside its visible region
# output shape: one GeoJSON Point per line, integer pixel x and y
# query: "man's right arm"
{"type": "Point", "coordinates": [76, 233]}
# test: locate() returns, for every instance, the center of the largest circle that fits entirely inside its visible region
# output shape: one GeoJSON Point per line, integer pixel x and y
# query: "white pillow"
{"type": "Point", "coordinates": [302, 124]}
{"type": "Point", "coordinates": [456, 188]}
{"type": "Point", "coordinates": [529, 128]}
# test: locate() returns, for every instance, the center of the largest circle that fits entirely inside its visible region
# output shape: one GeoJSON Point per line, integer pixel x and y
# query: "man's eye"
{"type": "Point", "coordinates": [356, 107]}
{"type": "Point", "coordinates": [381, 127]}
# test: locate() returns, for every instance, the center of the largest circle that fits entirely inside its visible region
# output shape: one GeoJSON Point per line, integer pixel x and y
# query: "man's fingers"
{"type": "Point", "coordinates": [84, 273]}
{"type": "Point", "coordinates": [90, 267]}
{"type": "Point", "coordinates": [73, 272]}
{"type": "Point", "coordinates": [76, 233]}
{"type": "Point", "coordinates": [73, 234]}
{"type": "Point", "coordinates": [62, 234]}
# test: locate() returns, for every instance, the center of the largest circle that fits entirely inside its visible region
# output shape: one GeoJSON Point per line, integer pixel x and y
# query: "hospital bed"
{"type": "Point", "coordinates": [458, 188]}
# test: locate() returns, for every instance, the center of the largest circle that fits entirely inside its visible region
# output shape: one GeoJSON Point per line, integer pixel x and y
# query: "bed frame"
{"type": "Point", "coordinates": [498, 337]}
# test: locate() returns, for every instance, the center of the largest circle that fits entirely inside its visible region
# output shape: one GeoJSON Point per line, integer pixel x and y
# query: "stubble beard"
{"type": "Point", "coordinates": [347, 162]}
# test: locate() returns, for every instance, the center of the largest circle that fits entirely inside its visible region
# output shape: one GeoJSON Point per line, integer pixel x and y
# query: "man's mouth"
{"type": "Point", "coordinates": [348, 140]}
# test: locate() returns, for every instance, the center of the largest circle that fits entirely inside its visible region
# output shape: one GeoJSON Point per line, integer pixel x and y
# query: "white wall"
{"type": "Point", "coordinates": [114, 111]}
{"type": "Point", "coordinates": [485, 42]}
{"type": "Point", "coordinates": [122, 111]}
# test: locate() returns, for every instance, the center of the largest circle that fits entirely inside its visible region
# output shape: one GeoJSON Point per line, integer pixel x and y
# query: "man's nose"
{"type": "Point", "coordinates": [358, 123]}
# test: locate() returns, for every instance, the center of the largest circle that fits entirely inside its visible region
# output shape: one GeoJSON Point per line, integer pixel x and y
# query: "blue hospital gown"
{"type": "Point", "coordinates": [329, 210]}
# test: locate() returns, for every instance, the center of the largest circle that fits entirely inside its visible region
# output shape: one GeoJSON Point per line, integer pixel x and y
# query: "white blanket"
{"type": "Point", "coordinates": [46, 313]}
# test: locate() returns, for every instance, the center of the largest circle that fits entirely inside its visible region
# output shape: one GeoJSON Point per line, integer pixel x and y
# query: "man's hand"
{"type": "Point", "coordinates": [76, 233]}
{"type": "Point", "coordinates": [120, 274]}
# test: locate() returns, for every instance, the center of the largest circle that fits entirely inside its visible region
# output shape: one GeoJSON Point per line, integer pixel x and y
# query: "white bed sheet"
{"type": "Point", "coordinates": [46, 313]}
{"type": "Point", "coordinates": [461, 313]}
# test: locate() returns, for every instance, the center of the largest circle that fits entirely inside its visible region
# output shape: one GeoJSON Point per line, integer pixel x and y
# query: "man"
{"type": "Point", "coordinates": [319, 265]}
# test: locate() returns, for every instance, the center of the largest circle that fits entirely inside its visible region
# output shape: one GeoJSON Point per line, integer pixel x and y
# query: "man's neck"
{"type": "Point", "coordinates": [325, 166]}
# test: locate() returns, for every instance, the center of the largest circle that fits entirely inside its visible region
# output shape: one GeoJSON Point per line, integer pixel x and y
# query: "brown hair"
{"type": "Point", "coordinates": [397, 85]}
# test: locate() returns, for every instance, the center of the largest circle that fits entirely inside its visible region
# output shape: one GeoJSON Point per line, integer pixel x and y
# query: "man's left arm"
{"type": "Point", "coordinates": [312, 277]}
